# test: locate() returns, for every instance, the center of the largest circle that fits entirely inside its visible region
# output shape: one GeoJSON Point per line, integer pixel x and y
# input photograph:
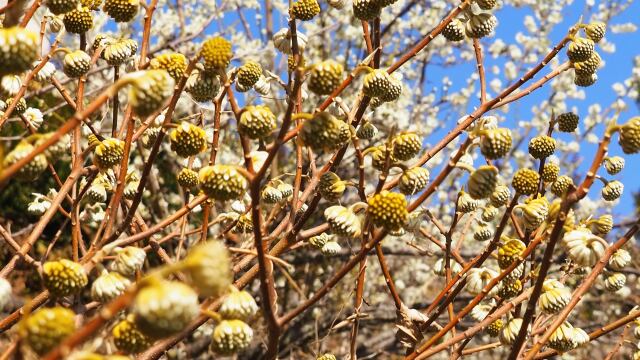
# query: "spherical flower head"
{"type": "Point", "coordinates": [495, 327]}
{"type": "Point", "coordinates": [481, 25]}
{"type": "Point", "coordinates": [324, 131]}
{"type": "Point", "coordinates": [561, 185]}
{"type": "Point", "coordinates": [482, 232]}
{"type": "Point", "coordinates": [10, 85]}
{"type": "Point", "coordinates": [619, 260]}
{"type": "Point", "coordinates": [121, 10]}
{"type": "Point", "coordinates": [209, 267]}
{"type": "Point", "coordinates": [282, 41]}
{"type": "Point", "coordinates": [131, 185]}
{"type": "Point", "coordinates": [249, 73]}
{"type": "Point", "coordinates": [35, 117]}
{"type": "Point", "coordinates": [188, 139]}
{"type": "Point", "coordinates": [580, 49]}
{"type": "Point", "coordinates": [21, 105]}
{"type": "Point", "coordinates": [554, 297]}
{"type": "Point", "coordinates": [76, 63]}
{"type": "Point", "coordinates": [108, 286]}
{"type": "Point", "coordinates": [500, 195]}
{"type": "Point", "coordinates": [128, 260]}
{"type": "Point", "coordinates": [78, 21]}
{"type": "Point", "coordinates": [589, 66]}
{"type": "Point", "coordinates": [118, 51]}
{"type": "Point", "coordinates": [304, 10]}
{"type": "Point", "coordinates": [202, 86]}
{"type": "Point", "coordinates": [596, 31]}
{"type": "Point", "coordinates": [584, 248]}
{"type": "Point", "coordinates": [97, 192]}
{"type": "Point", "coordinates": [257, 122]}
{"type": "Point", "coordinates": [509, 288]}
{"type": "Point", "coordinates": [439, 267]}
{"type": "Point", "coordinates": [394, 89]}
{"type": "Point", "coordinates": [510, 331]}
{"type": "Point", "coordinates": [406, 146]}
{"type": "Point", "coordinates": [19, 48]}
{"type": "Point", "coordinates": [489, 212]}
{"type": "Point", "coordinates": [319, 240]}
{"type": "Point", "coordinates": [413, 180]}
{"type": "Point", "coordinates": [331, 187]}
{"type": "Point", "coordinates": [55, 24]}
{"type": "Point", "coordinates": [483, 181]}
{"type": "Point", "coordinates": [366, 9]}
{"type": "Point", "coordinates": [630, 136]}
{"type": "Point", "coordinates": [613, 164]}
{"type": "Point", "coordinates": [231, 336]}
{"type": "Point", "coordinates": [216, 53]}
{"type": "Point", "coordinates": [542, 146]}
{"type": "Point", "coordinates": [466, 203]}
{"type": "Point", "coordinates": [454, 31]}
{"type": "Point", "coordinates": [343, 221]}
{"type": "Point", "coordinates": [285, 189]}
{"type": "Point", "coordinates": [534, 212]}
{"type": "Point", "coordinates": [164, 307]}
{"type": "Point", "coordinates": [525, 181]}
{"type": "Point", "coordinates": [561, 339]}
{"type": "Point", "coordinates": [568, 122]}
{"type": "Point", "coordinates": [173, 63]}
{"type": "Point", "coordinates": [238, 305]}
{"type": "Point", "coordinates": [585, 80]}
{"type": "Point", "coordinates": [602, 225]}
{"type": "Point", "coordinates": [222, 182]}
{"type": "Point", "coordinates": [614, 281]}
{"type": "Point", "coordinates": [58, 7]}
{"type": "Point", "coordinates": [495, 143]}
{"type": "Point", "coordinates": [291, 65]}
{"type": "Point", "coordinates": [478, 279]}
{"type": "Point", "coordinates": [613, 190]}
{"type": "Point", "coordinates": [33, 169]}
{"type": "Point", "coordinates": [366, 131]}
{"type": "Point", "coordinates": [44, 74]}
{"type": "Point", "coordinates": [388, 210]}
{"type": "Point", "coordinates": [325, 77]}
{"type": "Point", "coordinates": [108, 153]}
{"type": "Point", "coordinates": [45, 328]}
{"type": "Point", "coordinates": [149, 90]}
{"type": "Point", "coordinates": [376, 83]}
{"type": "Point", "coordinates": [128, 338]}
{"type": "Point", "coordinates": [64, 277]}
{"type": "Point", "coordinates": [510, 252]}
{"type": "Point", "coordinates": [271, 195]}
{"type": "Point", "coordinates": [187, 178]}
{"type": "Point", "coordinates": [244, 224]}
{"type": "Point", "coordinates": [550, 172]}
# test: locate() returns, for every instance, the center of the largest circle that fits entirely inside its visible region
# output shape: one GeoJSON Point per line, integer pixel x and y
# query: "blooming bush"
{"type": "Point", "coordinates": [288, 179]}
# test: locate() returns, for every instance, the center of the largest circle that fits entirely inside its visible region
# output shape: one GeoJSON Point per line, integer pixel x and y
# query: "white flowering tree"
{"type": "Point", "coordinates": [321, 180]}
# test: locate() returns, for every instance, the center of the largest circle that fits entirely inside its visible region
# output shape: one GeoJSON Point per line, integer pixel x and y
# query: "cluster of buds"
{"type": "Point", "coordinates": [583, 56]}
{"type": "Point", "coordinates": [476, 22]}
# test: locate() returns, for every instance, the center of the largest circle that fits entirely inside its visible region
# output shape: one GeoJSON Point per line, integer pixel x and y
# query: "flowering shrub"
{"type": "Point", "coordinates": [285, 179]}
